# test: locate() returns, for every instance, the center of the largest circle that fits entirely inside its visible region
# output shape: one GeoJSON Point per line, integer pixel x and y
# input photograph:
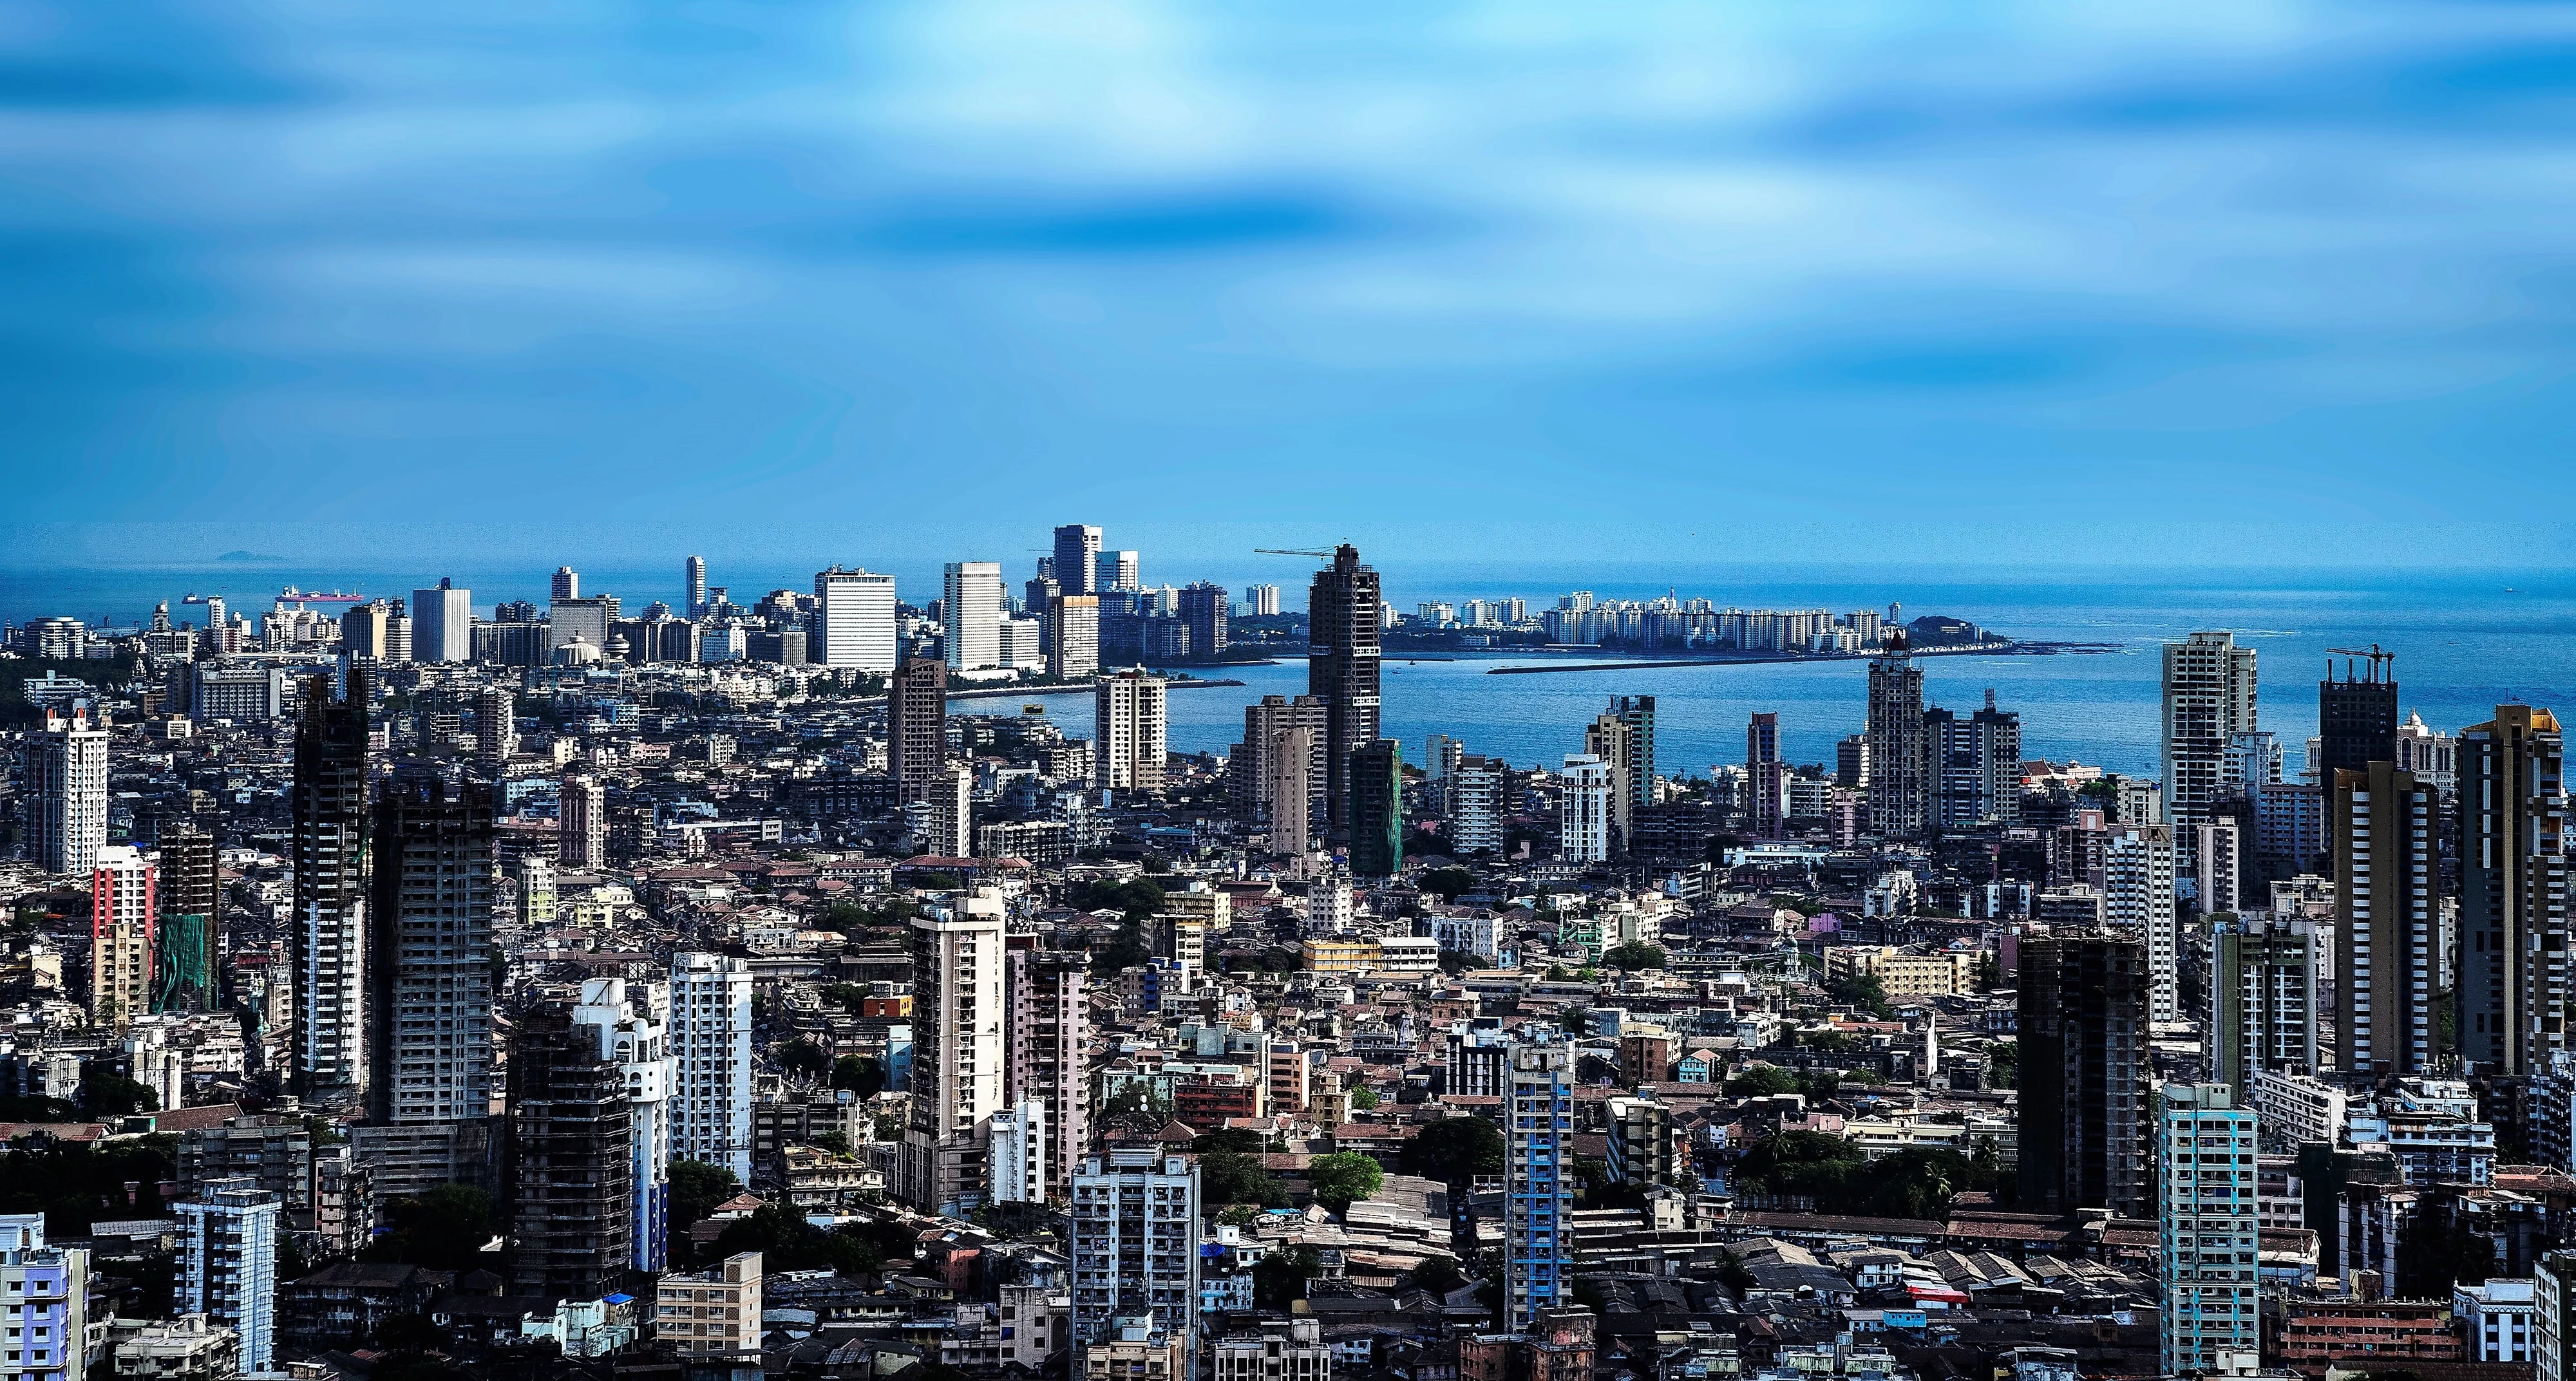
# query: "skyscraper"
{"type": "Point", "coordinates": [2357, 714]}
{"type": "Point", "coordinates": [1342, 671]}
{"type": "Point", "coordinates": [917, 729]}
{"type": "Point", "coordinates": [1077, 556]}
{"type": "Point", "coordinates": [1638, 713]}
{"type": "Point", "coordinates": [628, 1024]}
{"type": "Point", "coordinates": [1583, 792]}
{"type": "Point", "coordinates": [970, 605]}
{"type": "Point", "coordinates": [2085, 1074]}
{"type": "Point", "coordinates": [1295, 760]}
{"type": "Point", "coordinates": [1045, 1044]}
{"type": "Point", "coordinates": [1127, 746]}
{"type": "Point", "coordinates": [1252, 775]}
{"type": "Point", "coordinates": [693, 583]}
{"type": "Point", "coordinates": [429, 942]}
{"type": "Point", "coordinates": [567, 584]}
{"type": "Point", "coordinates": [2388, 916]}
{"type": "Point", "coordinates": [711, 1060]}
{"type": "Point", "coordinates": [952, 811]}
{"type": "Point", "coordinates": [1206, 612]}
{"type": "Point", "coordinates": [1899, 798]}
{"type": "Point", "coordinates": [1538, 1248]}
{"type": "Point", "coordinates": [581, 822]}
{"type": "Point", "coordinates": [1377, 809]}
{"type": "Point", "coordinates": [67, 791]}
{"type": "Point", "coordinates": [328, 932]}
{"type": "Point", "coordinates": [957, 1065]}
{"type": "Point", "coordinates": [1767, 776]}
{"type": "Point", "coordinates": [496, 732]}
{"type": "Point", "coordinates": [442, 624]}
{"type": "Point", "coordinates": [120, 936]}
{"type": "Point", "coordinates": [189, 935]}
{"type": "Point", "coordinates": [1073, 636]}
{"type": "Point", "coordinates": [1474, 805]}
{"type": "Point", "coordinates": [853, 621]}
{"type": "Point", "coordinates": [2513, 890]}
{"type": "Point", "coordinates": [1116, 571]}
{"type": "Point", "coordinates": [1975, 766]}
{"type": "Point", "coordinates": [1136, 1250]}
{"type": "Point", "coordinates": [1261, 601]}
{"type": "Point", "coordinates": [227, 1264]}
{"type": "Point", "coordinates": [1613, 741]}
{"type": "Point", "coordinates": [2206, 1218]}
{"type": "Point", "coordinates": [2262, 999]}
{"type": "Point", "coordinates": [2208, 701]}
{"type": "Point", "coordinates": [571, 1171]}
{"type": "Point", "coordinates": [2138, 899]}
{"type": "Point", "coordinates": [587, 620]}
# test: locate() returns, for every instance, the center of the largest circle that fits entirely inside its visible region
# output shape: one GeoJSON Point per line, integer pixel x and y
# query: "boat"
{"type": "Point", "coordinates": [292, 595]}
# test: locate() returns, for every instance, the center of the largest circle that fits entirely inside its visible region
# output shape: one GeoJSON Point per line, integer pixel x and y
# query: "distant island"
{"type": "Point", "coordinates": [250, 558]}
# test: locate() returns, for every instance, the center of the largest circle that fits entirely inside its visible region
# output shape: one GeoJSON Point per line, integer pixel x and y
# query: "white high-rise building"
{"type": "Point", "coordinates": [711, 1061]}
{"type": "Point", "coordinates": [1260, 601]}
{"type": "Point", "coordinates": [581, 823]}
{"type": "Point", "coordinates": [2209, 701]}
{"type": "Point", "coordinates": [120, 936]}
{"type": "Point", "coordinates": [693, 575]}
{"type": "Point", "coordinates": [1018, 1154]}
{"type": "Point", "coordinates": [2138, 898]}
{"type": "Point", "coordinates": [2206, 1214]}
{"type": "Point", "coordinates": [970, 605]}
{"type": "Point", "coordinates": [1135, 1249]}
{"type": "Point", "coordinates": [1021, 645]}
{"type": "Point", "coordinates": [1584, 789]}
{"type": "Point", "coordinates": [227, 1267]}
{"type": "Point", "coordinates": [633, 1031]}
{"type": "Point", "coordinates": [952, 811]}
{"type": "Point", "coordinates": [567, 584]}
{"type": "Point", "coordinates": [853, 621]}
{"type": "Point", "coordinates": [1117, 570]}
{"type": "Point", "coordinates": [1473, 801]}
{"type": "Point", "coordinates": [1127, 747]}
{"type": "Point", "coordinates": [67, 791]}
{"type": "Point", "coordinates": [957, 1064]}
{"type": "Point", "coordinates": [442, 624]}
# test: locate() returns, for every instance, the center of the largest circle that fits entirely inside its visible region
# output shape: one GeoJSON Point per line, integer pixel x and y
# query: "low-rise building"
{"type": "Point", "coordinates": [711, 1313]}
{"type": "Point", "coordinates": [2315, 1332]}
{"type": "Point", "coordinates": [2495, 1319]}
{"type": "Point", "coordinates": [188, 1348]}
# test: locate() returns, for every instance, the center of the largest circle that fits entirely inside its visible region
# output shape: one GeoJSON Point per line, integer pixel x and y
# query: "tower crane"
{"type": "Point", "coordinates": [2379, 661]}
{"type": "Point", "coordinates": [1290, 551]}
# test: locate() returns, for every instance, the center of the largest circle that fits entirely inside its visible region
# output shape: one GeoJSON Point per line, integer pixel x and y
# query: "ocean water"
{"type": "Point", "coordinates": [2464, 642]}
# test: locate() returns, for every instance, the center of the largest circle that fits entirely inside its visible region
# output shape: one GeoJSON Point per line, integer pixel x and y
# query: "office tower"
{"type": "Point", "coordinates": [1044, 1043]}
{"type": "Point", "coordinates": [1127, 746]}
{"type": "Point", "coordinates": [567, 583]}
{"type": "Point", "coordinates": [1253, 770]}
{"type": "Point", "coordinates": [1073, 637]}
{"type": "Point", "coordinates": [712, 1313]}
{"type": "Point", "coordinates": [1765, 774]}
{"type": "Point", "coordinates": [1899, 798]}
{"type": "Point", "coordinates": [120, 936]}
{"type": "Point", "coordinates": [496, 731]}
{"type": "Point", "coordinates": [1206, 612]}
{"type": "Point", "coordinates": [188, 936]}
{"type": "Point", "coordinates": [917, 729]}
{"type": "Point", "coordinates": [50, 1286]}
{"type": "Point", "coordinates": [711, 1060]}
{"type": "Point", "coordinates": [2205, 1214]}
{"type": "Point", "coordinates": [1538, 1248]}
{"type": "Point", "coordinates": [1342, 671]}
{"type": "Point", "coordinates": [2085, 1074]}
{"type": "Point", "coordinates": [429, 947]}
{"type": "Point", "coordinates": [1473, 805]}
{"type": "Point", "coordinates": [1135, 1249]}
{"type": "Point", "coordinates": [1261, 601]}
{"type": "Point", "coordinates": [581, 823]}
{"type": "Point", "coordinates": [1022, 645]}
{"type": "Point", "coordinates": [1039, 594]}
{"type": "Point", "coordinates": [628, 1022]}
{"type": "Point", "coordinates": [853, 621]}
{"type": "Point", "coordinates": [227, 1266]}
{"type": "Point", "coordinates": [2262, 999]}
{"type": "Point", "coordinates": [1377, 809]}
{"type": "Point", "coordinates": [242, 694]}
{"type": "Point", "coordinates": [366, 632]}
{"type": "Point", "coordinates": [2209, 700]}
{"type": "Point", "coordinates": [952, 811]}
{"type": "Point", "coordinates": [2138, 899]}
{"type": "Point", "coordinates": [442, 624]}
{"type": "Point", "coordinates": [1851, 762]}
{"type": "Point", "coordinates": [2218, 863]}
{"type": "Point", "coordinates": [1116, 572]}
{"type": "Point", "coordinates": [586, 621]}
{"type": "Point", "coordinates": [957, 1065]}
{"type": "Point", "coordinates": [1583, 794]}
{"type": "Point", "coordinates": [66, 784]}
{"type": "Point", "coordinates": [570, 1177]}
{"type": "Point", "coordinates": [2513, 890]}
{"type": "Point", "coordinates": [693, 583]}
{"type": "Point", "coordinates": [1077, 557]}
{"type": "Point", "coordinates": [1613, 741]}
{"type": "Point", "coordinates": [2357, 713]}
{"type": "Point", "coordinates": [970, 604]}
{"type": "Point", "coordinates": [328, 930]}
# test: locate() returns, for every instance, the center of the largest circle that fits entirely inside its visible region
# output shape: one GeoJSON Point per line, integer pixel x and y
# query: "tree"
{"type": "Point", "coordinates": [696, 1189]}
{"type": "Point", "coordinates": [1363, 1098]}
{"type": "Point", "coordinates": [1239, 1215]}
{"type": "Point", "coordinates": [444, 1228]}
{"type": "Point", "coordinates": [860, 1075]}
{"type": "Point", "coordinates": [104, 1094]}
{"type": "Point", "coordinates": [1232, 1177]}
{"type": "Point", "coordinates": [1636, 954]}
{"type": "Point", "coordinates": [1280, 1277]}
{"type": "Point", "coordinates": [1454, 962]}
{"type": "Point", "coordinates": [1865, 992]}
{"type": "Point", "coordinates": [1454, 1150]}
{"type": "Point", "coordinates": [2003, 1064]}
{"type": "Point", "coordinates": [1240, 1140]}
{"type": "Point", "coordinates": [1437, 1274]}
{"type": "Point", "coordinates": [803, 1057]}
{"type": "Point", "coordinates": [1340, 1179]}
{"type": "Point", "coordinates": [1762, 1081]}
{"type": "Point", "coordinates": [1135, 1096]}
{"type": "Point", "coordinates": [1449, 884]}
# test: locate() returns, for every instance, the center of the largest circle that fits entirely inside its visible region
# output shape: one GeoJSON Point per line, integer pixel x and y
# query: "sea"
{"type": "Point", "coordinates": [2464, 642]}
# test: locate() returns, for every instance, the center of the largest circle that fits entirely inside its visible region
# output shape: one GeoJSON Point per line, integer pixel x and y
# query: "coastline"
{"type": "Point", "coordinates": [2008, 649]}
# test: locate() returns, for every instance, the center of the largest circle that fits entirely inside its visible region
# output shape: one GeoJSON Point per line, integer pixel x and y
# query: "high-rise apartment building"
{"type": "Point", "coordinates": [711, 1088]}
{"type": "Point", "coordinates": [570, 1174]}
{"type": "Point", "coordinates": [917, 729]}
{"type": "Point", "coordinates": [2085, 1074]}
{"type": "Point", "coordinates": [581, 822]}
{"type": "Point", "coordinates": [50, 1286]}
{"type": "Point", "coordinates": [1766, 776]}
{"type": "Point", "coordinates": [366, 632]}
{"type": "Point", "coordinates": [2262, 999]}
{"type": "Point", "coordinates": [1538, 1133]}
{"type": "Point", "coordinates": [567, 584]}
{"type": "Point", "coordinates": [189, 932]}
{"type": "Point", "coordinates": [629, 1024]}
{"type": "Point", "coordinates": [1288, 789]}
{"type": "Point", "coordinates": [1851, 762]}
{"type": "Point", "coordinates": [1377, 809]}
{"type": "Point", "coordinates": [1613, 741]}
{"type": "Point", "coordinates": [429, 943]}
{"type": "Point", "coordinates": [2138, 899]}
{"type": "Point", "coordinates": [1638, 713]}
{"type": "Point", "coordinates": [2388, 918]}
{"type": "Point", "coordinates": [1342, 668]}
{"type": "Point", "coordinates": [2513, 890]}
{"type": "Point", "coordinates": [2205, 1213]}
{"type": "Point", "coordinates": [1261, 601]}
{"type": "Point", "coordinates": [1077, 558]}
{"type": "Point", "coordinates": [2356, 714]}
{"type": "Point", "coordinates": [853, 621]}
{"type": "Point", "coordinates": [496, 732]}
{"type": "Point", "coordinates": [1899, 797]}
{"type": "Point", "coordinates": [1073, 636]}
{"type": "Point", "coordinates": [1583, 791]}
{"type": "Point", "coordinates": [970, 614]}
{"type": "Point", "coordinates": [1473, 805]}
{"type": "Point", "coordinates": [1974, 771]}
{"type": "Point", "coordinates": [1136, 1249]}
{"type": "Point", "coordinates": [1116, 572]}
{"type": "Point", "coordinates": [952, 811]}
{"type": "Point", "coordinates": [227, 1265]}
{"type": "Point", "coordinates": [693, 585]}
{"type": "Point", "coordinates": [66, 784]}
{"type": "Point", "coordinates": [1127, 745]}
{"type": "Point", "coordinates": [2218, 863]}
{"type": "Point", "coordinates": [1206, 613]}
{"type": "Point", "coordinates": [121, 912]}
{"type": "Point", "coordinates": [1255, 772]}
{"type": "Point", "coordinates": [442, 624]}
{"type": "Point", "coordinates": [328, 930]}
{"type": "Point", "coordinates": [2208, 701]}
{"type": "Point", "coordinates": [1044, 1040]}
{"type": "Point", "coordinates": [957, 1051]}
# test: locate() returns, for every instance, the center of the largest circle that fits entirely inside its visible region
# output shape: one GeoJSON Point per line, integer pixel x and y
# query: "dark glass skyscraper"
{"type": "Point", "coordinates": [1077, 551]}
{"type": "Point", "coordinates": [330, 812]}
{"type": "Point", "coordinates": [1377, 809]}
{"type": "Point", "coordinates": [2513, 891]}
{"type": "Point", "coordinates": [2084, 1074]}
{"type": "Point", "coordinates": [429, 942]}
{"type": "Point", "coordinates": [2356, 715]}
{"type": "Point", "coordinates": [1342, 670]}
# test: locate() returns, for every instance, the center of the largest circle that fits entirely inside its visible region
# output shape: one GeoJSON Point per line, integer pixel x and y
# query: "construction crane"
{"type": "Point", "coordinates": [2379, 661]}
{"type": "Point", "coordinates": [1289, 551]}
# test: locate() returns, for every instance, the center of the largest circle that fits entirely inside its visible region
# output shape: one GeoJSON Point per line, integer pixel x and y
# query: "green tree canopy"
{"type": "Point", "coordinates": [803, 1056]}
{"type": "Point", "coordinates": [444, 1228]}
{"type": "Point", "coordinates": [859, 1074]}
{"type": "Point", "coordinates": [696, 1189]}
{"type": "Point", "coordinates": [1636, 954]}
{"type": "Point", "coordinates": [1454, 1150]}
{"type": "Point", "coordinates": [1762, 1081]}
{"type": "Point", "coordinates": [1449, 884]}
{"type": "Point", "coordinates": [1232, 1177]}
{"type": "Point", "coordinates": [1342, 1178]}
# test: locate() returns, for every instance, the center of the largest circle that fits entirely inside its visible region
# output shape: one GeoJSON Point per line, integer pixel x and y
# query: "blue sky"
{"type": "Point", "coordinates": [2171, 281]}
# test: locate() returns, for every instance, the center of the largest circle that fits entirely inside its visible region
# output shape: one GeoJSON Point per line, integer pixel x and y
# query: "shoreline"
{"type": "Point", "coordinates": [2039, 649]}
{"type": "Point", "coordinates": [1004, 692]}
